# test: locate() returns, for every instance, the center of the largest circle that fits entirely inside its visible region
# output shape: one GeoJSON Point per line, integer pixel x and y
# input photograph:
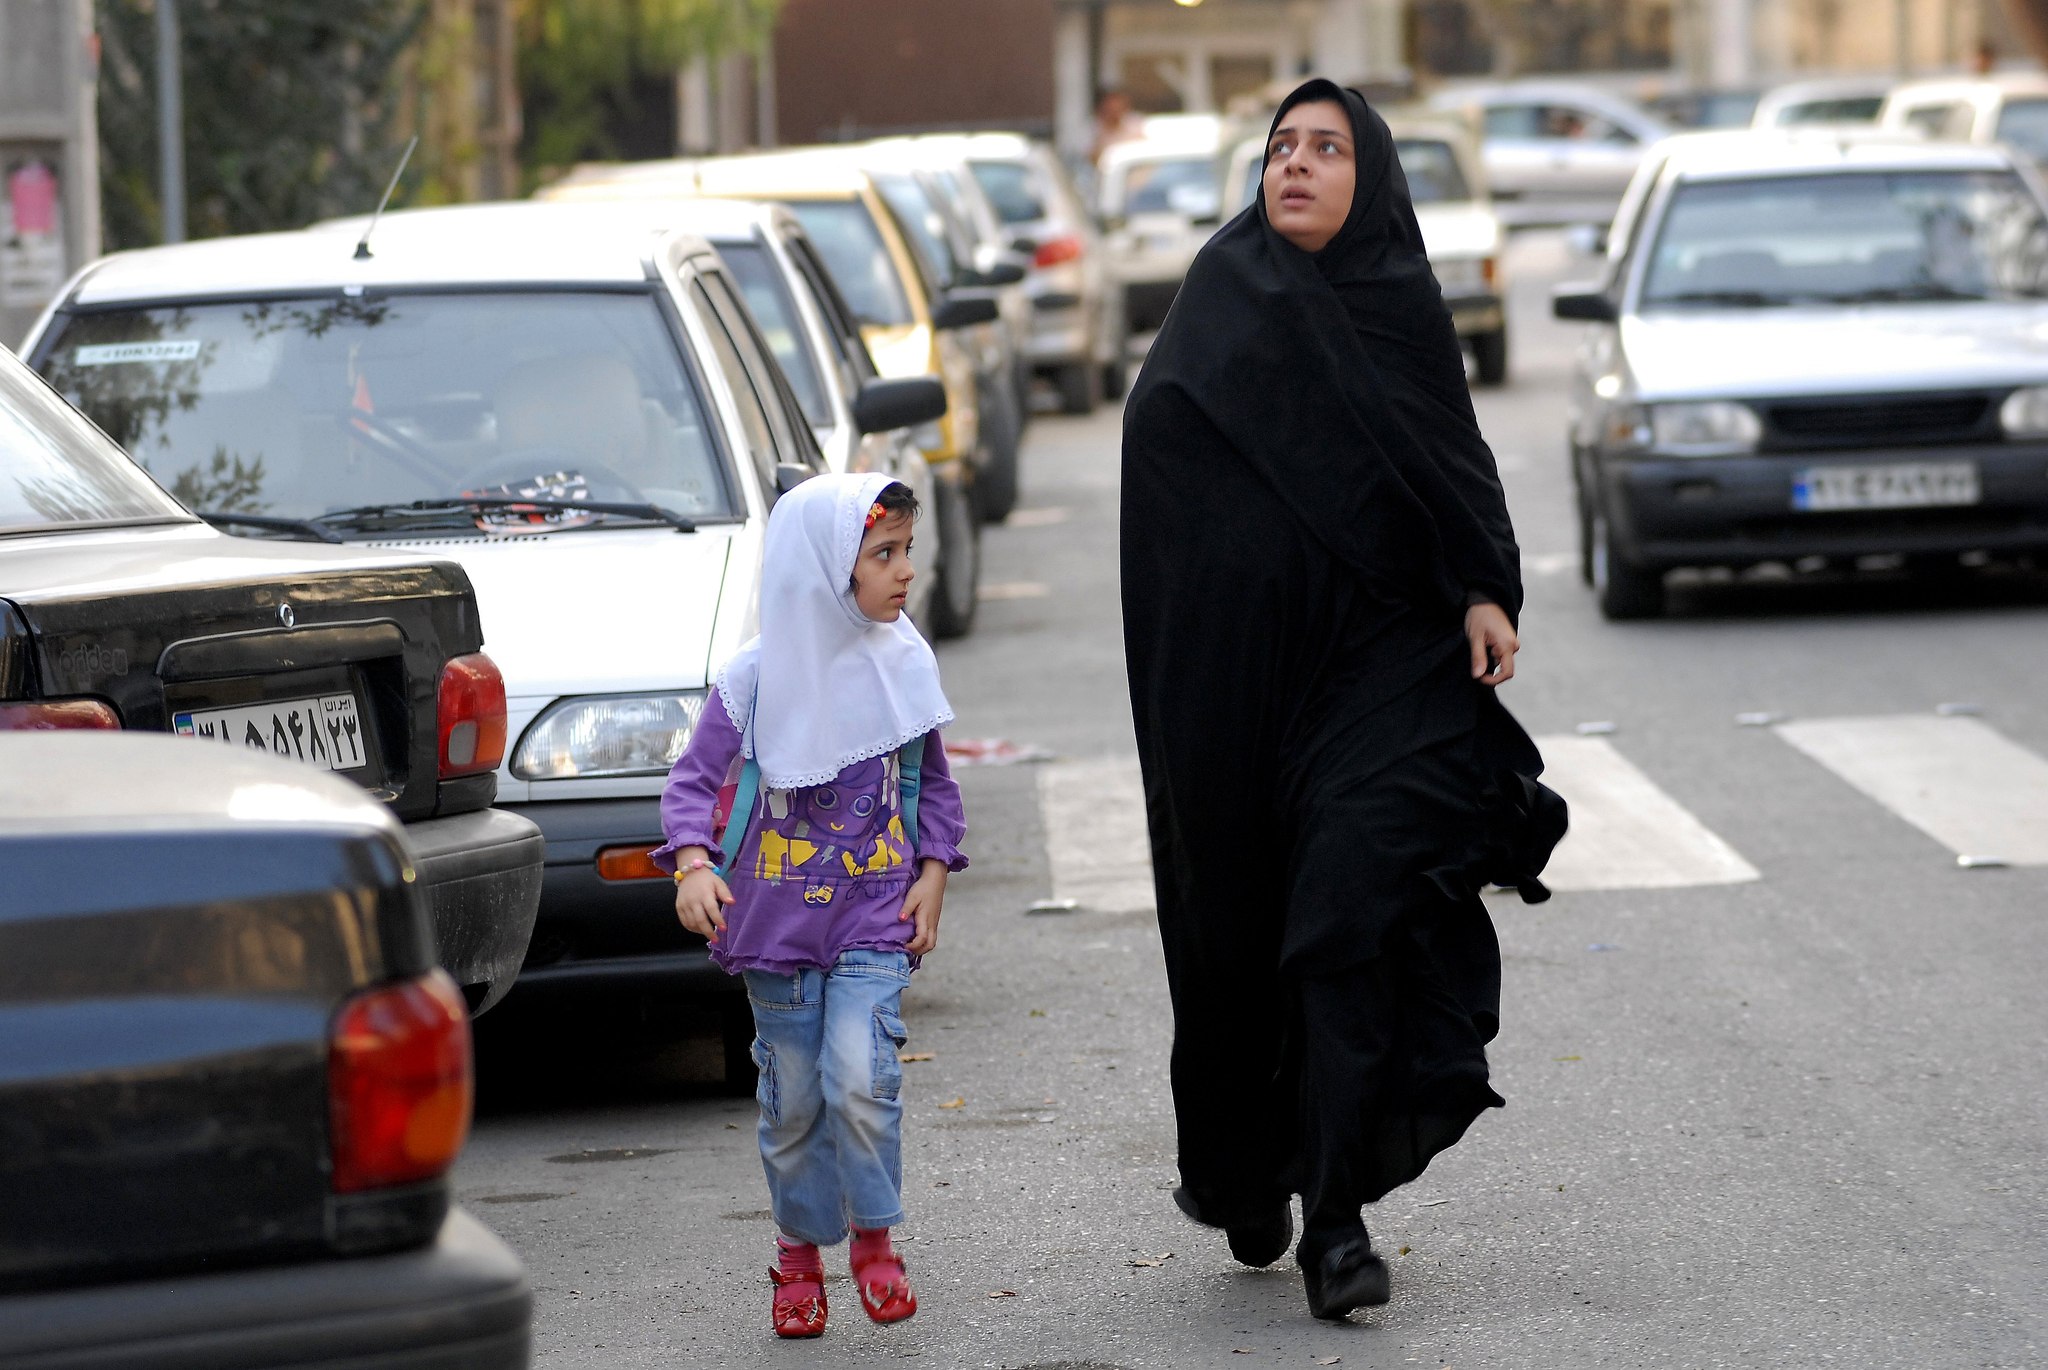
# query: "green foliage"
{"type": "Point", "coordinates": [227, 485]}
{"type": "Point", "coordinates": [581, 61]}
{"type": "Point", "coordinates": [287, 107]}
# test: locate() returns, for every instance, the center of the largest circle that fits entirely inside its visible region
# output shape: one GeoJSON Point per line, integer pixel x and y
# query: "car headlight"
{"type": "Point", "coordinates": [1711, 428]}
{"type": "Point", "coordinates": [607, 735]}
{"type": "Point", "coordinates": [2025, 412]}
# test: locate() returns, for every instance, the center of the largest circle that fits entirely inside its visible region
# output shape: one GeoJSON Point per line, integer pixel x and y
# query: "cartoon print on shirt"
{"type": "Point", "coordinates": [853, 819]}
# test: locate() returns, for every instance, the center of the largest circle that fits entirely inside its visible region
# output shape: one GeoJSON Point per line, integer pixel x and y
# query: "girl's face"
{"type": "Point", "coordinates": [1311, 172]}
{"type": "Point", "coordinates": [882, 572]}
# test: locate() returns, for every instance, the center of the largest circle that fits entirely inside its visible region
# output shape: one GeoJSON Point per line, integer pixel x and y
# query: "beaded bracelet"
{"type": "Point", "coordinates": [696, 864]}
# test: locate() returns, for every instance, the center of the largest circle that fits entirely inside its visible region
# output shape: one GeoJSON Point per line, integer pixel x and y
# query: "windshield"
{"type": "Point", "coordinates": [298, 408]}
{"type": "Point", "coordinates": [1009, 188]}
{"type": "Point", "coordinates": [767, 294]}
{"type": "Point", "coordinates": [846, 237]}
{"type": "Point", "coordinates": [1179, 185]}
{"type": "Point", "coordinates": [921, 220]}
{"type": "Point", "coordinates": [1834, 109]}
{"type": "Point", "coordinates": [1930, 235]}
{"type": "Point", "coordinates": [54, 470]}
{"type": "Point", "coordinates": [2024, 124]}
{"type": "Point", "coordinates": [1431, 168]}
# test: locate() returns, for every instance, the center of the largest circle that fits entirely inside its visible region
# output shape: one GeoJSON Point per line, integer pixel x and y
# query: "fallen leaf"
{"type": "Point", "coordinates": [1242, 1351]}
{"type": "Point", "coordinates": [1328, 1360]}
{"type": "Point", "coordinates": [1567, 1058]}
{"type": "Point", "coordinates": [1002, 1293]}
{"type": "Point", "coordinates": [1404, 1250]}
{"type": "Point", "coordinates": [908, 1056]}
{"type": "Point", "coordinates": [1038, 1013]}
{"type": "Point", "coordinates": [1432, 1203]}
{"type": "Point", "coordinates": [1148, 1262]}
{"type": "Point", "coordinates": [942, 1184]}
{"type": "Point", "coordinates": [1560, 1189]}
{"type": "Point", "coordinates": [954, 1103]}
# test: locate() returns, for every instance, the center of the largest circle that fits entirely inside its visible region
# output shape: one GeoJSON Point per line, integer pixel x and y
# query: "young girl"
{"type": "Point", "coordinates": [824, 885]}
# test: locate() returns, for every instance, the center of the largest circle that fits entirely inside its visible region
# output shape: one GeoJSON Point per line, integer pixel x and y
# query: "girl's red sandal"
{"type": "Point", "coordinates": [886, 1294]}
{"type": "Point", "coordinates": [798, 1315]}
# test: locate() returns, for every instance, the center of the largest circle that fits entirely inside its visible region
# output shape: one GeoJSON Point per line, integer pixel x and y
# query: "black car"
{"type": "Point", "coordinates": [119, 609]}
{"type": "Point", "coordinates": [232, 1079]}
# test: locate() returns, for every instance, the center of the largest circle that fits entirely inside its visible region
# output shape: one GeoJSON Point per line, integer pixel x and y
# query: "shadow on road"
{"type": "Point", "coordinates": [1855, 594]}
{"type": "Point", "coordinates": [544, 1050]}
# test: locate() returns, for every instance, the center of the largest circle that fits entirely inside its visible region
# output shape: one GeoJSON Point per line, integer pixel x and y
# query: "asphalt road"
{"type": "Point", "coordinates": [1777, 1095]}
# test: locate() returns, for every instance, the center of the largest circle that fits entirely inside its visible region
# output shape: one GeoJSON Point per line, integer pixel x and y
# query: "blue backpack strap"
{"type": "Point", "coordinates": [910, 779]}
{"type": "Point", "coordinates": [743, 797]}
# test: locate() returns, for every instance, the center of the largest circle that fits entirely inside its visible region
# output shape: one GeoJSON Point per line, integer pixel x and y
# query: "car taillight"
{"type": "Point", "coordinates": [471, 709]}
{"type": "Point", "coordinates": [1489, 269]}
{"type": "Point", "coordinates": [398, 1083]}
{"type": "Point", "coordinates": [1053, 251]}
{"type": "Point", "coordinates": [50, 715]}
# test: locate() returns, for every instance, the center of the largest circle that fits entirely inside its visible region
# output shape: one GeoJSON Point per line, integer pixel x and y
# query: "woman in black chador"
{"type": "Point", "coordinates": [1320, 586]}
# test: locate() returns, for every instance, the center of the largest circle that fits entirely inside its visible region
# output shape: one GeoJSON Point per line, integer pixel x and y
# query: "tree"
{"type": "Point", "coordinates": [287, 104]}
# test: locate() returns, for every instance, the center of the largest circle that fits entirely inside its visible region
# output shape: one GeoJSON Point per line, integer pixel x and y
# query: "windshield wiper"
{"type": "Point", "coordinates": [1887, 294]}
{"type": "Point", "coordinates": [439, 512]}
{"type": "Point", "coordinates": [1741, 299]}
{"type": "Point", "coordinates": [307, 528]}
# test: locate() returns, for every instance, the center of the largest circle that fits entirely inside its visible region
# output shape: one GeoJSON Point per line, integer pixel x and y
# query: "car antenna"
{"type": "Point", "coordinates": [363, 245]}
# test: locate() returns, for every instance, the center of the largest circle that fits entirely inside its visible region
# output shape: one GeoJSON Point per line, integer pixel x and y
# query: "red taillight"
{"type": "Point", "coordinates": [51, 715]}
{"type": "Point", "coordinates": [398, 1083]}
{"type": "Point", "coordinates": [1053, 251]}
{"type": "Point", "coordinates": [472, 716]}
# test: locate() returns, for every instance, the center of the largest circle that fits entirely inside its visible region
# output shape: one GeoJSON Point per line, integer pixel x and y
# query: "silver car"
{"type": "Point", "coordinates": [1555, 153]}
{"type": "Point", "coordinates": [1812, 349]}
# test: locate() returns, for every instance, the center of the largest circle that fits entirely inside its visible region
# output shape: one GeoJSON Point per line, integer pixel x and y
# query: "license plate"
{"type": "Point", "coordinates": [1908, 485]}
{"type": "Point", "coordinates": [326, 730]}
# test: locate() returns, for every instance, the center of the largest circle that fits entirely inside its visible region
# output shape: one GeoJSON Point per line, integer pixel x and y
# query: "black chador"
{"type": "Point", "coordinates": [1308, 509]}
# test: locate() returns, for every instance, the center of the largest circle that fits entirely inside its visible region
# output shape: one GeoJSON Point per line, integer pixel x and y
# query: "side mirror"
{"type": "Point", "coordinates": [1027, 247]}
{"type": "Point", "coordinates": [885, 405]}
{"type": "Point", "coordinates": [1585, 303]}
{"type": "Point", "coordinates": [1003, 270]}
{"type": "Point", "coordinates": [789, 475]}
{"type": "Point", "coordinates": [964, 311]}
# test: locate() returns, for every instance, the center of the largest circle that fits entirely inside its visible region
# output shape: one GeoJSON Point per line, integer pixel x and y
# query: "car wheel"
{"type": "Point", "coordinates": [996, 483]}
{"type": "Point", "coordinates": [1585, 541]}
{"type": "Point", "coordinates": [1080, 388]}
{"type": "Point", "coordinates": [1624, 589]}
{"type": "Point", "coordinates": [1116, 375]}
{"type": "Point", "coordinates": [958, 591]}
{"type": "Point", "coordinates": [736, 1040]}
{"type": "Point", "coordinates": [1490, 351]}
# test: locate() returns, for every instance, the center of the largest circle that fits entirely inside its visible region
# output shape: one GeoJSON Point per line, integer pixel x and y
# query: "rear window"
{"type": "Point", "coordinates": [1009, 188]}
{"type": "Point", "coordinates": [767, 294]}
{"type": "Point", "coordinates": [847, 238]}
{"type": "Point", "coordinates": [2024, 124]}
{"type": "Point", "coordinates": [1179, 185]}
{"type": "Point", "coordinates": [55, 471]}
{"type": "Point", "coordinates": [1431, 168]}
{"type": "Point", "coordinates": [296, 408]}
{"type": "Point", "coordinates": [1843, 109]}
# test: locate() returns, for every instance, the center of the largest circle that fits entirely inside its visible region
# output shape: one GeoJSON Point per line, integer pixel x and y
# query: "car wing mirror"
{"type": "Point", "coordinates": [1585, 303]}
{"type": "Point", "coordinates": [1004, 270]}
{"type": "Point", "coordinates": [964, 311]}
{"type": "Point", "coordinates": [905, 402]}
{"type": "Point", "coordinates": [789, 475]}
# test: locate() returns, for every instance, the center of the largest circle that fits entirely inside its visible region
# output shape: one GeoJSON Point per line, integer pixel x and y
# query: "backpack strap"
{"type": "Point", "coordinates": [743, 797]}
{"type": "Point", "coordinates": [910, 779]}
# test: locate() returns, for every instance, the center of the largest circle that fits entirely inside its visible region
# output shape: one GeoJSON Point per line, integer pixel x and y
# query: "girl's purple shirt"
{"type": "Point", "coordinates": [821, 870]}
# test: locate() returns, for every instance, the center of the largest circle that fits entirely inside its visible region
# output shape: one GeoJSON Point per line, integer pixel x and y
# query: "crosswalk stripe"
{"type": "Point", "coordinates": [1095, 833]}
{"type": "Point", "coordinates": [1627, 833]}
{"type": "Point", "coordinates": [1958, 780]}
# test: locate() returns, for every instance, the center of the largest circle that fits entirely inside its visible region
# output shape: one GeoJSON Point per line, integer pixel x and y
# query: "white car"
{"type": "Point", "coordinates": [1555, 152]}
{"type": "Point", "coordinates": [1460, 230]}
{"type": "Point", "coordinates": [1828, 100]}
{"type": "Point", "coordinates": [2005, 108]}
{"type": "Point", "coordinates": [587, 420]}
{"type": "Point", "coordinates": [1159, 198]}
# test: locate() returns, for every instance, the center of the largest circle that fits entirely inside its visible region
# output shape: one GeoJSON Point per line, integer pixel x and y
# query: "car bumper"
{"type": "Point", "coordinates": [1734, 511]}
{"type": "Point", "coordinates": [1482, 313]}
{"type": "Point", "coordinates": [592, 930]}
{"type": "Point", "coordinates": [480, 876]}
{"type": "Point", "coordinates": [1061, 331]}
{"type": "Point", "coordinates": [462, 1303]}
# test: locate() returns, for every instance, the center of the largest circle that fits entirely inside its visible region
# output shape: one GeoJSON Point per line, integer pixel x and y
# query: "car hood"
{"type": "Point", "coordinates": [598, 611]}
{"type": "Point", "coordinates": [1837, 350]}
{"type": "Point", "coordinates": [1458, 230]}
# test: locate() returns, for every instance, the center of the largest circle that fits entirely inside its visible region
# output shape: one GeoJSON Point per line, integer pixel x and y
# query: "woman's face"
{"type": "Point", "coordinates": [1311, 172]}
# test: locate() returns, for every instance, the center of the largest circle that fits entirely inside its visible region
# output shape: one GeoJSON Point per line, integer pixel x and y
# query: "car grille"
{"type": "Point", "coordinates": [1893, 421]}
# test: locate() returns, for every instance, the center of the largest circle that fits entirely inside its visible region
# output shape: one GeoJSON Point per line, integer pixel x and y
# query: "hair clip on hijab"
{"type": "Point", "coordinates": [876, 513]}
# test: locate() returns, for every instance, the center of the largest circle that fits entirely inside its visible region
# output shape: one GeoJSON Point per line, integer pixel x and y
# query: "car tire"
{"type": "Point", "coordinates": [1625, 590]}
{"type": "Point", "coordinates": [995, 484]}
{"type": "Point", "coordinates": [736, 1042]}
{"type": "Point", "coordinates": [1116, 375]}
{"type": "Point", "coordinates": [1490, 353]}
{"type": "Point", "coordinates": [958, 592]}
{"type": "Point", "coordinates": [1585, 514]}
{"type": "Point", "coordinates": [1080, 387]}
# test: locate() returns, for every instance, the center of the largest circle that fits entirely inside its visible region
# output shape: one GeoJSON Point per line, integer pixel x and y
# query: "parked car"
{"type": "Point", "coordinates": [1705, 107]}
{"type": "Point", "coordinates": [584, 416]}
{"type": "Point", "coordinates": [232, 1078]}
{"type": "Point", "coordinates": [2007, 108]}
{"type": "Point", "coordinates": [1555, 153]}
{"type": "Point", "coordinates": [120, 610]}
{"type": "Point", "coordinates": [1809, 350]}
{"type": "Point", "coordinates": [1460, 230]}
{"type": "Point", "coordinates": [1830, 100]}
{"type": "Point", "coordinates": [1078, 333]}
{"type": "Point", "coordinates": [909, 331]}
{"type": "Point", "coordinates": [1159, 198]}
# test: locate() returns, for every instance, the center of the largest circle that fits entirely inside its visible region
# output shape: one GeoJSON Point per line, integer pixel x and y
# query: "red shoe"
{"type": "Point", "coordinates": [884, 1288]}
{"type": "Point", "coordinates": [798, 1314]}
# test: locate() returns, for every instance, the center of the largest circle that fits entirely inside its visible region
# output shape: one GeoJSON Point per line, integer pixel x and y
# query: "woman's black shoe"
{"type": "Point", "coordinates": [1257, 1244]}
{"type": "Point", "coordinates": [1347, 1276]}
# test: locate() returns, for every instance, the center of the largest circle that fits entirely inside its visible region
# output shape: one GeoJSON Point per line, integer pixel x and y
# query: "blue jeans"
{"type": "Point", "coordinates": [831, 1116]}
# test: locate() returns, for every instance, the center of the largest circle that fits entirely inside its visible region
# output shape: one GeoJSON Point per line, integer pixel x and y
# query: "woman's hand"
{"type": "Point", "coordinates": [1494, 643]}
{"type": "Point", "coordinates": [927, 895]}
{"type": "Point", "coordinates": [701, 898]}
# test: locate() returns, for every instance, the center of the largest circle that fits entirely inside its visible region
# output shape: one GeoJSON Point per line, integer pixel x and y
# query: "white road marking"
{"type": "Point", "coordinates": [1095, 833]}
{"type": "Point", "coordinates": [1550, 563]}
{"type": "Point", "coordinates": [1957, 779]}
{"type": "Point", "coordinates": [1013, 589]}
{"type": "Point", "coordinates": [1626, 833]}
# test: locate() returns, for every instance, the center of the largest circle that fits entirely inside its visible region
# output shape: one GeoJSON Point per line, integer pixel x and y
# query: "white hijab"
{"type": "Point", "coordinates": [824, 685]}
